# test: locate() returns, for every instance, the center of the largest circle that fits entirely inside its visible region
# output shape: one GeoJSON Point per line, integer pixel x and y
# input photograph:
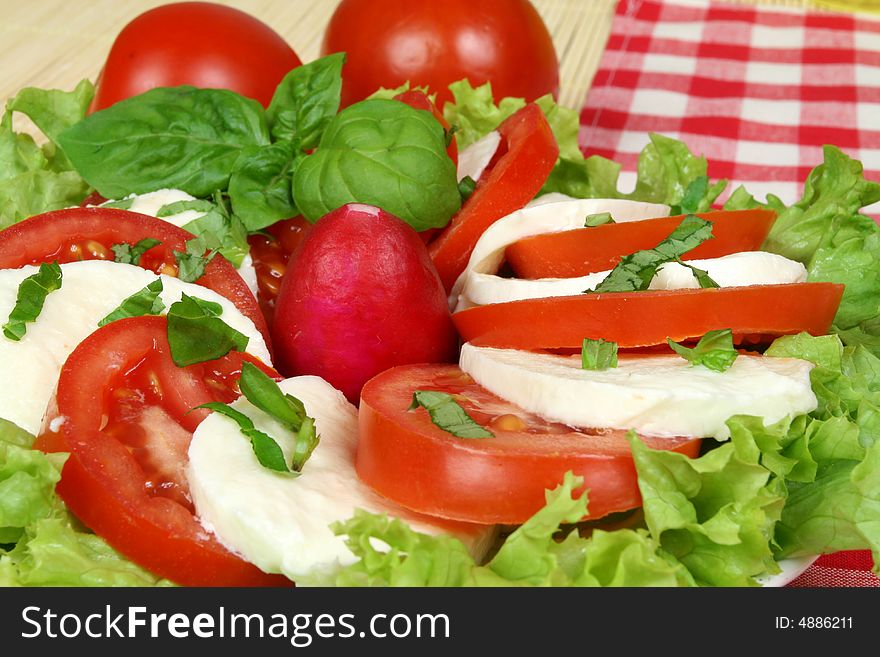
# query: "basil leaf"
{"type": "Point", "coordinates": [131, 255]}
{"type": "Point", "coordinates": [196, 205]}
{"type": "Point", "coordinates": [32, 293]}
{"type": "Point", "coordinates": [701, 275]}
{"type": "Point", "coordinates": [143, 302]}
{"type": "Point", "coordinates": [447, 414]}
{"type": "Point", "coordinates": [191, 264]}
{"type": "Point", "coordinates": [714, 350]}
{"type": "Point", "coordinates": [466, 187]}
{"type": "Point", "coordinates": [196, 334]}
{"type": "Point", "coordinates": [382, 153]}
{"type": "Point", "coordinates": [594, 220]}
{"type": "Point", "coordinates": [598, 354]}
{"type": "Point", "coordinates": [167, 138]}
{"type": "Point", "coordinates": [121, 204]}
{"type": "Point", "coordinates": [635, 272]}
{"type": "Point", "coordinates": [221, 232]}
{"type": "Point", "coordinates": [261, 186]}
{"type": "Point", "coordinates": [306, 100]}
{"type": "Point", "coordinates": [267, 451]}
{"type": "Point", "coordinates": [691, 202]}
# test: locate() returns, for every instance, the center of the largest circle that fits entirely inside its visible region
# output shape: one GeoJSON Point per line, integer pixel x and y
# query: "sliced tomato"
{"type": "Point", "coordinates": [89, 233]}
{"type": "Point", "coordinates": [405, 457]}
{"type": "Point", "coordinates": [583, 251]}
{"type": "Point", "coordinates": [524, 159]}
{"type": "Point", "coordinates": [125, 415]}
{"type": "Point", "coordinates": [419, 100]}
{"type": "Point", "coordinates": [639, 319]}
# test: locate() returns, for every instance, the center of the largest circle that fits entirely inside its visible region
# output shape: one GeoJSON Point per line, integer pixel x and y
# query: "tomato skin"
{"type": "Point", "coordinates": [66, 236]}
{"type": "Point", "coordinates": [572, 253]}
{"type": "Point", "coordinates": [196, 43]}
{"type": "Point", "coordinates": [528, 151]}
{"type": "Point", "coordinates": [103, 483]}
{"type": "Point", "coordinates": [640, 319]}
{"type": "Point", "coordinates": [406, 458]}
{"type": "Point", "coordinates": [389, 42]}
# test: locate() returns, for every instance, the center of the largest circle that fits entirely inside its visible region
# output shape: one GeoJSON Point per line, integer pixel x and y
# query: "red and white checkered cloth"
{"type": "Point", "coordinates": [756, 89]}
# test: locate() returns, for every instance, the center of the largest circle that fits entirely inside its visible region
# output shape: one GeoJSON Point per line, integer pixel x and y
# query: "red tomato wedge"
{"type": "Point", "coordinates": [640, 319]}
{"type": "Point", "coordinates": [88, 233]}
{"type": "Point", "coordinates": [586, 250]}
{"type": "Point", "coordinates": [127, 425]}
{"type": "Point", "coordinates": [524, 159]}
{"type": "Point", "coordinates": [408, 459]}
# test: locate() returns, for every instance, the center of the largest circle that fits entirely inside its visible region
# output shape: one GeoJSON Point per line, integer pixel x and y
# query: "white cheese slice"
{"type": "Point", "coordinates": [660, 395]}
{"type": "Point", "coordinates": [90, 290]}
{"type": "Point", "coordinates": [282, 523]}
{"type": "Point", "coordinates": [548, 217]}
{"type": "Point", "coordinates": [737, 269]}
{"type": "Point", "coordinates": [474, 159]}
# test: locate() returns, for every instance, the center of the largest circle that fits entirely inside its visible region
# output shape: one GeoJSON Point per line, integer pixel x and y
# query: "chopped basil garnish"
{"type": "Point", "coordinates": [219, 230]}
{"type": "Point", "coordinates": [594, 220]}
{"type": "Point", "coordinates": [693, 196]}
{"type": "Point", "coordinates": [635, 272]}
{"type": "Point", "coordinates": [598, 354]}
{"type": "Point", "coordinates": [447, 414]}
{"type": "Point", "coordinates": [121, 204]}
{"type": "Point", "coordinates": [32, 293]}
{"type": "Point", "coordinates": [197, 205]}
{"type": "Point", "coordinates": [129, 254]}
{"type": "Point", "coordinates": [701, 275]}
{"type": "Point", "coordinates": [196, 333]}
{"type": "Point", "coordinates": [191, 265]}
{"type": "Point", "coordinates": [143, 302]}
{"type": "Point", "coordinates": [466, 187]}
{"type": "Point", "coordinates": [268, 451]}
{"type": "Point", "coordinates": [714, 350]}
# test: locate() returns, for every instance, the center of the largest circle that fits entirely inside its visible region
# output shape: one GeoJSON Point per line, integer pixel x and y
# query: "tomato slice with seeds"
{"type": "Point", "coordinates": [408, 459]}
{"type": "Point", "coordinates": [579, 252]}
{"type": "Point", "coordinates": [81, 233]}
{"type": "Point", "coordinates": [755, 314]}
{"type": "Point", "coordinates": [123, 410]}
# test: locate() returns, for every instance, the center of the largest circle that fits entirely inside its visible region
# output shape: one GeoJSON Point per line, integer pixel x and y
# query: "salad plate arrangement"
{"type": "Point", "coordinates": [313, 339]}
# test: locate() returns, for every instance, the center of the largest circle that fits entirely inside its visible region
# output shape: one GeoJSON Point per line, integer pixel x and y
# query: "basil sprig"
{"type": "Point", "coordinates": [635, 272]}
{"type": "Point", "coordinates": [598, 354]}
{"type": "Point", "coordinates": [197, 334]}
{"type": "Point", "coordinates": [715, 350]}
{"type": "Point", "coordinates": [600, 219]}
{"type": "Point", "coordinates": [266, 449]}
{"type": "Point", "coordinates": [145, 301]}
{"type": "Point", "coordinates": [217, 231]}
{"type": "Point", "coordinates": [32, 293]}
{"type": "Point", "coordinates": [448, 414]}
{"type": "Point", "coordinates": [131, 254]}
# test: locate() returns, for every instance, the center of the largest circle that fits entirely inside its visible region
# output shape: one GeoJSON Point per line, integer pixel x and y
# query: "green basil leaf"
{"type": "Point", "coordinates": [306, 100]}
{"type": "Point", "coordinates": [466, 187]}
{"type": "Point", "coordinates": [221, 232]}
{"type": "Point", "coordinates": [32, 293]}
{"type": "Point", "coordinates": [382, 153]}
{"type": "Point", "coordinates": [598, 354]}
{"type": "Point", "coordinates": [131, 255]}
{"type": "Point", "coordinates": [601, 219]}
{"type": "Point", "coordinates": [447, 414]}
{"type": "Point", "coordinates": [635, 272]}
{"type": "Point", "coordinates": [701, 275]}
{"type": "Point", "coordinates": [267, 451]}
{"type": "Point", "coordinates": [196, 205]}
{"type": "Point", "coordinates": [261, 186]}
{"type": "Point", "coordinates": [143, 302]}
{"type": "Point", "coordinates": [196, 334]}
{"type": "Point", "coordinates": [167, 138]}
{"type": "Point", "coordinates": [696, 191]}
{"type": "Point", "coordinates": [714, 350]}
{"type": "Point", "coordinates": [191, 264]}
{"type": "Point", "coordinates": [121, 204]}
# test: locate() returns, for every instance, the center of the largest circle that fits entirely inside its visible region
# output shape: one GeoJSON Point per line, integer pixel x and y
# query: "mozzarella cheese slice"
{"type": "Point", "coordinates": [282, 523]}
{"type": "Point", "coordinates": [150, 204]}
{"type": "Point", "coordinates": [474, 159]}
{"type": "Point", "coordinates": [547, 217]}
{"type": "Point", "coordinates": [737, 269]}
{"type": "Point", "coordinates": [90, 290]}
{"type": "Point", "coordinates": [654, 395]}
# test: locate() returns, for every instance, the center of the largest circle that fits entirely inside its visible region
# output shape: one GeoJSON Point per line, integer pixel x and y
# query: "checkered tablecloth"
{"type": "Point", "coordinates": [756, 89]}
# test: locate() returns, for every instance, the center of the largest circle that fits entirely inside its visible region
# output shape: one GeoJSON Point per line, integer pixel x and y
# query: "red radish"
{"type": "Point", "coordinates": [361, 296]}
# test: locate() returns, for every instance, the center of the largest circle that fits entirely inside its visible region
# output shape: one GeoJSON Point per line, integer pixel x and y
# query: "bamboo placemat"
{"type": "Point", "coordinates": [56, 43]}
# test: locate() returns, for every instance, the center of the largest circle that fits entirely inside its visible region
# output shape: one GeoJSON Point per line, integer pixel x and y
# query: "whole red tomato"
{"type": "Point", "coordinates": [196, 43]}
{"type": "Point", "coordinates": [388, 42]}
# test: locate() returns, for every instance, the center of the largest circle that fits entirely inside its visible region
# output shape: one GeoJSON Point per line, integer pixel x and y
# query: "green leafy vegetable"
{"type": "Point", "coordinates": [466, 187]}
{"type": "Point", "coordinates": [121, 204]}
{"type": "Point", "coordinates": [635, 272]}
{"type": "Point", "coordinates": [714, 350]}
{"type": "Point", "coordinates": [474, 113]}
{"type": "Point", "coordinates": [219, 231]}
{"type": "Point", "coordinates": [382, 153]}
{"type": "Point", "coordinates": [701, 275]}
{"type": "Point", "coordinates": [260, 188]}
{"type": "Point", "coordinates": [131, 254]}
{"type": "Point", "coordinates": [447, 414]}
{"type": "Point", "coordinates": [143, 302]}
{"type": "Point", "coordinates": [598, 354]}
{"type": "Point", "coordinates": [191, 264]}
{"type": "Point", "coordinates": [196, 205]}
{"type": "Point", "coordinates": [196, 333]}
{"type": "Point", "coordinates": [601, 219]}
{"type": "Point", "coordinates": [692, 201]}
{"type": "Point", "coordinates": [267, 451]}
{"type": "Point", "coordinates": [32, 293]}
{"type": "Point", "coordinates": [170, 137]}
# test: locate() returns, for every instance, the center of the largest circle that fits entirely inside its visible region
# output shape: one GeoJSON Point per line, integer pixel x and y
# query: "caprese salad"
{"type": "Point", "coordinates": [235, 359]}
